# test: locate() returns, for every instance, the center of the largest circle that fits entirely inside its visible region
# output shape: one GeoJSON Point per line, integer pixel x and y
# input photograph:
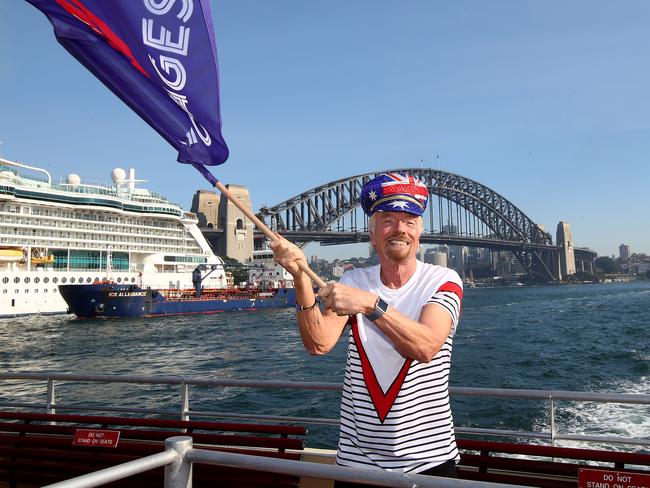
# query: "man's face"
{"type": "Point", "coordinates": [396, 236]}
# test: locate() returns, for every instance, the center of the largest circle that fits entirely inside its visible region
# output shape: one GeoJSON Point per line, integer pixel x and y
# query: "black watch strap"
{"type": "Point", "coordinates": [381, 307]}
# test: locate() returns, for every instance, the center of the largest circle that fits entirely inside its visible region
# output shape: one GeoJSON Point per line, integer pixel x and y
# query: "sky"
{"type": "Point", "coordinates": [547, 103]}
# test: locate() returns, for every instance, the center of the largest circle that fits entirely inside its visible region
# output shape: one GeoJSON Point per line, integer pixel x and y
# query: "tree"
{"type": "Point", "coordinates": [238, 270]}
{"type": "Point", "coordinates": [606, 265]}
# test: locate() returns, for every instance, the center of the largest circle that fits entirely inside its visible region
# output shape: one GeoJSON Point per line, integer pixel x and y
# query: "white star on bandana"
{"type": "Point", "coordinates": [372, 195]}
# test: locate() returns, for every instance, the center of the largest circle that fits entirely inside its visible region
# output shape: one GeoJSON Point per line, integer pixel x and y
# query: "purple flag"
{"type": "Point", "coordinates": [159, 57]}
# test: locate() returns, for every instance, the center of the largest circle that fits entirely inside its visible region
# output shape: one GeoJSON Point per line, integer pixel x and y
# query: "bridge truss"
{"type": "Point", "coordinates": [461, 212]}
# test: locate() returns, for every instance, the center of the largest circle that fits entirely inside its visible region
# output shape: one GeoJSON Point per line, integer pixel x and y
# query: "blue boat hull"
{"type": "Point", "coordinates": [113, 300]}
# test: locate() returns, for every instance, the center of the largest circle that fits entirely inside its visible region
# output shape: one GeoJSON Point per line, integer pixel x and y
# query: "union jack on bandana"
{"type": "Point", "coordinates": [394, 192]}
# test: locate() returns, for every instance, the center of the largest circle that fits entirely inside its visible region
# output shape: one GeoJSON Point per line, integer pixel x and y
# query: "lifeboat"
{"type": "Point", "coordinates": [40, 257]}
{"type": "Point", "coordinates": [11, 255]}
{"type": "Point", "coordinates": [43, 259]}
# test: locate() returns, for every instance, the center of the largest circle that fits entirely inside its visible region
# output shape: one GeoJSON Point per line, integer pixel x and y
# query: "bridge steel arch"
{"type": "Point", "coordinates": [313, 214]}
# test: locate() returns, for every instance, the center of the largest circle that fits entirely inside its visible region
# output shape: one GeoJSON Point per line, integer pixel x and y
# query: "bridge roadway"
{"type": "Point", "coordinates": [348, 237]}
{"type": "Point", "coordinates": [584, 257]}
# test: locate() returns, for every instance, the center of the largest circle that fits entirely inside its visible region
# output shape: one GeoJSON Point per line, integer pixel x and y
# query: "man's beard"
{"type": "Point", "coordinates": [398, 254]}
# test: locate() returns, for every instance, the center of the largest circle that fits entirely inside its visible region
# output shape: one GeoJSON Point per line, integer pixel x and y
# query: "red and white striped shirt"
{"type": "Point", "coordinates": [395, 411]}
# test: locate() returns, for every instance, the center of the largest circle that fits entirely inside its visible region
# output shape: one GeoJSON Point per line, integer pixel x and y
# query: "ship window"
{"type": "Point", "coordinates": [54, 280]}
{"type": "Point", "coordinates": [46, 280]}
{"type": "Point", "coordinates": [35, 290]}
{"type": "Point", "coordinates": [88, 280]}
{"type": "Point", "coordinates": [16, 279]}
{"type": "Point", "coordinates": [119, 280]}
{"type": "Point", "coordinates": [54, 290]}
{"type": "Point", "coordinates": [5, 280]}
{"type": "Point", "coordinates": [64, 279]}
{"type": "Point", "coordinates": [45, 290]}
{"type": "Point", "coordinates": [37, 279]}
{"type": "Point", "coordinates": [132, 280]}
{"type": "Point", "coordinates": [4, 291]}
{"type": "Point", "coordinates": [26, 290]}
{"type": "Point", "coordinates": [16, 290]}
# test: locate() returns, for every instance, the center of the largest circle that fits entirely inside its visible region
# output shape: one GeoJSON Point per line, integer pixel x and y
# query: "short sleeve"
{"type": "Point", "coordinates": [449, 295]}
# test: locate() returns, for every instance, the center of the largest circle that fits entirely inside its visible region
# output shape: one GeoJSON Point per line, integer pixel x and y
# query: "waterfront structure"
{"type": "Point", "coordinates": [567, 258]}
{"type": "Point", "coordinates": [73, 232]}
{"type": "Point", "coordinates": [584, 259]}
{"type": "Point", "coordinates": [624, 252]}
{"type": "Point", "coordinates": [234, 238]}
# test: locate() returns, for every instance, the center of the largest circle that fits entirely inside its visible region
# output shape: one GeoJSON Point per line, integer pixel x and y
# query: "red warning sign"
{"type": "Point", "coordinates": [596, 478]}
{"type": "Point", "coordinates": [96, 438]}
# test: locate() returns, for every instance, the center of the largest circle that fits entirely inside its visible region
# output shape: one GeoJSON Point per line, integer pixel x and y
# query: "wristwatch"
{"type": "Point", "coordinates": [381, 307]}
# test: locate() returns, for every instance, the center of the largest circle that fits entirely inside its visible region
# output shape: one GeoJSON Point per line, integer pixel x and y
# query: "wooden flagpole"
{"type": "Point", "coordinates": [268, 232]}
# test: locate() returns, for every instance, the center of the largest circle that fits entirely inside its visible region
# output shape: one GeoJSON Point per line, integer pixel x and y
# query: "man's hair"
{"type": "Point", "coordinates": [371, 223]}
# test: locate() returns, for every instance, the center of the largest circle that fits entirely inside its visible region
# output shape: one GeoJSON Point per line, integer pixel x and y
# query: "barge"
{"type": "Point", "coordinates": [112, 300]}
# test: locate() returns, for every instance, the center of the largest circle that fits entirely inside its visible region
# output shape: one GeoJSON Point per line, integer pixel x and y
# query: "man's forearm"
{"type": "Point", "coordinates": [305, 296]}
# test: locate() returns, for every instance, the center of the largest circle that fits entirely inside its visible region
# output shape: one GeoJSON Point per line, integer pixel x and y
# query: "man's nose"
{"type": "Point", "coordinates": [401, 226]}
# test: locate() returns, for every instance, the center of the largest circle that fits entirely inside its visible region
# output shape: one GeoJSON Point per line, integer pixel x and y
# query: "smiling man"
{"type": "Point", "coordinates": [403, 313]}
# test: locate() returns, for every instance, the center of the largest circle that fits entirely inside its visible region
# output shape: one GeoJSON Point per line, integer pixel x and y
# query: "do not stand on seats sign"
{"type": "Point", "coordinates": [96, 438]}
{"type": "Point", "coordinates": [596, 478]}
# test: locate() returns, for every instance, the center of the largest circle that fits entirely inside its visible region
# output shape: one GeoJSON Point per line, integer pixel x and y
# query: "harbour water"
{"type": "Point", "coordinates": [582, 337]}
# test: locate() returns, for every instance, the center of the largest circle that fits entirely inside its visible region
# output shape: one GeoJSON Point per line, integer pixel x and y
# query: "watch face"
{"type": "Point", "coordinates": [382, 305]}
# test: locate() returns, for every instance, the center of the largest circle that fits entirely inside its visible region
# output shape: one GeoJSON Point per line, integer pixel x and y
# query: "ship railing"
{"type": "Point", "coordinates": [185, 383]}
{"type": "Point", "coordinates": [179, 455]}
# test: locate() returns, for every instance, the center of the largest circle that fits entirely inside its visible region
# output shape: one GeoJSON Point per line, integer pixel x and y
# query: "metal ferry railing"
{"type": "Point", "coordinates": [185, 384]}
{"type": "Point", "coordinates": [178, 456]}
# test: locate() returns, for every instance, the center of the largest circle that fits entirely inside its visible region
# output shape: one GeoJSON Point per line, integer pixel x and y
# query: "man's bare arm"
{"type": "Point", "coordinates": [420, 340]}
{"type": "Point", "coordinates": [320, 331]}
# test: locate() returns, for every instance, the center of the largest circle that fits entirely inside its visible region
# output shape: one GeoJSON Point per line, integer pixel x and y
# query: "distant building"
{"type": "Point", "coordinates": [337, 271]}
{"type": "Point", "coordinates": [624, 252]}
{"type": "Point", "coordinates": [437, 256]}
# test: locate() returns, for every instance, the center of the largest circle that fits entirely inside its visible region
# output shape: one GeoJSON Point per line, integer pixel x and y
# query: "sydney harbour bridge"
{"type": "Point", "coordinates": [461, 212]}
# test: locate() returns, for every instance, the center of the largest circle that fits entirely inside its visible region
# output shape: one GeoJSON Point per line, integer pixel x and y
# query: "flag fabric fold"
{"type": "Point", "coordinates": [159, 57]}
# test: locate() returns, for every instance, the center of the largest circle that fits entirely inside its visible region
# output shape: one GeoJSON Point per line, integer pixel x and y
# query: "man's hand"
{"type": "Point", "coordinates": [288, 255]}
{"type": "Point", "coordinates": [346, 300]}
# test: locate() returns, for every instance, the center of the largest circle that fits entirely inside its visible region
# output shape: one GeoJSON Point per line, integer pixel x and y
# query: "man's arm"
{"type": "Point", "coordinates": [420, 340]}
{"type": "Point", "coordinates": [320, 331]}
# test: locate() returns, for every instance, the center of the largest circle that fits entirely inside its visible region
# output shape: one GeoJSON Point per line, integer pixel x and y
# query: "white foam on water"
{"type": "Point", "coordinates": [604, 419]}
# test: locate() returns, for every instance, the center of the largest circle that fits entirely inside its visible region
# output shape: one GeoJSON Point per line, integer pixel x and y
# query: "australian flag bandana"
{"type": "Point", "coordinates": [394, 192]}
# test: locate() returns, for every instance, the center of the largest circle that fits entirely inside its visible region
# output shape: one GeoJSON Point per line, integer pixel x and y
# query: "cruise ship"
{"type": "Point", "coordinates": [73, 232]}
